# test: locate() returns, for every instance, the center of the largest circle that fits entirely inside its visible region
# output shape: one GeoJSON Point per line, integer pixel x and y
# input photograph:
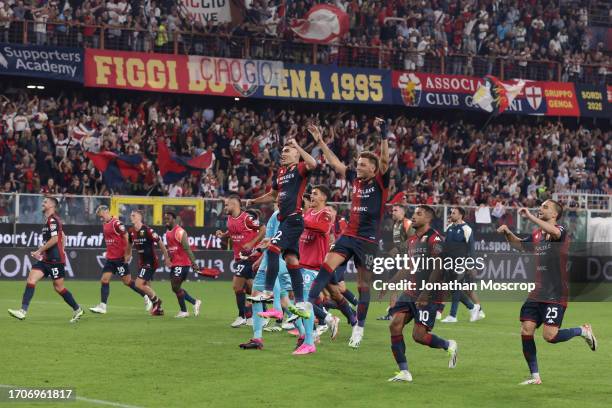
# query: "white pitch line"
{"type": "Point", "coordinates": [90, 400]}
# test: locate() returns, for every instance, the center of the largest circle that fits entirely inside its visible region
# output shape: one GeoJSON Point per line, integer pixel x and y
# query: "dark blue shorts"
{"type": "Point", "coordinates": [54, 271]}
{"type": "Point", "coordinates": [244, 269]}
{"type": "Point", "coordinates": [287, 237]}
{"type": "Point", "coordinates": [180, 272]}
{"type": "Point", "coordinates": [549, 314]}
{"type": "Point", "coordinates": [362, 251]}
{"type": "Point", "coordinates": [425, 316]}
{"type": "Point", "coordinates": [117, 267]}
{"type": "Point", "coordinates": [146, 272]}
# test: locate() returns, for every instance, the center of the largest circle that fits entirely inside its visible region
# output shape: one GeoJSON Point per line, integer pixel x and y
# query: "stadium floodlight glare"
{"type": "Point", "coordinates": [236, 99]}
{"type": "Point", "coordinates": [31, 86]}
{"type": "Point", "coordinates": [40, 87]}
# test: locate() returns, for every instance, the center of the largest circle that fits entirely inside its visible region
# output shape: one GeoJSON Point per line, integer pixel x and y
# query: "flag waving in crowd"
{"type": "Point", "coordinates": [116, 168]}
{"type": "Point", "coordinates": [173, 167]}
{"type": "Point", "coordinates": [323, 24]}
{"type": "Point", "coordinates": [495, 96]}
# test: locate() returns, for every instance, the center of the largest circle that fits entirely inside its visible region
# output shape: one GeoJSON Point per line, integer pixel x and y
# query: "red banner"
{"type": "Point", "coordinates": [149, 72]}
{"type": "Point", "coordinates": [560, 99]}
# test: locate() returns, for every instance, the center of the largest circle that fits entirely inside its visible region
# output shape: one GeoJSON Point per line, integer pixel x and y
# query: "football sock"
{"type": "Point", "coordinates": [566, 334]}
{"type": "Point", "coordinates": [27, 296]}
{"type": "Point", "coordinates": [240, 299]}
{"type": "Point", "coordinates": [104, 292]}
{"type": "Point", "coordinates": [258, 322]}
{"type": "Point", "coordinates": [133, 286]}
{"type": "Point", "coordinates": [68, 298]}
{"type": "Point", "coordinates": [398, 348]}
{"type": "Point", "coordinates": [529, 351]}
{"type": "Point", "coordinates": [188, 297]}
{"type": "Point", "coordinates": [363, 305]}
{"type": "Point", "coordinates": [180, 296]}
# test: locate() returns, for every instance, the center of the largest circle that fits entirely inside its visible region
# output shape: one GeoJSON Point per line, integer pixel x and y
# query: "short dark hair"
{"type": "Point", "coordinates": [138, 211]}
{"type": "Point", "coordinates": [323, 189]}
{"type": "Point", "coordinates": [373, 158]}
{"type": "Point", "coordinates": [428, 209]}
{"type": "Point", "coordinates": [101, 208]}
{"type": "Point", "coordinates": [54, 200]}
{"type": "Point", "coordinates": [558, 208]}
{"type": "Point", "coordinates": [461, 211]}
{"type": "Point", "coordinates": [235, 197]}
{"type": "Point", "coordinates": [170, 213]}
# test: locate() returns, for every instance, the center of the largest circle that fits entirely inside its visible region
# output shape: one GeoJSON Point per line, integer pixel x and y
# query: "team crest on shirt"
{"type": "Point", "coordinates": [142, 233]}
{"type": "Point", "coordinates": [550, 321]}
{"type": "Point", "coordinates": [424, 239]}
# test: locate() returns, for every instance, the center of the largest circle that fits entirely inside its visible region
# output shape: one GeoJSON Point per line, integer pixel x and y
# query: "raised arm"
{"type": "Point", "coordinates": [330, 157]}
{"type": "Point", "coordinates": [381, 126]}
{"type": "Point", "coordinates": [269, 197]}
{"type": "Point", "coordinates": [547, 227]}
{"type": "Point", "coordinates": [309, 161]}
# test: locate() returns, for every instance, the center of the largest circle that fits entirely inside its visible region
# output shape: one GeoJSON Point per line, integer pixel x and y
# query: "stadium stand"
{"type": "Point", "coordinates": [534, 40]}
{"type": "Point", "coordinates": [450, 160]}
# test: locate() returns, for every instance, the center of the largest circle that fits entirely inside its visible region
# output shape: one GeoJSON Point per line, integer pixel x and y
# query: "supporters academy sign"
{"type": "Point", "coordinates": [42, 62]}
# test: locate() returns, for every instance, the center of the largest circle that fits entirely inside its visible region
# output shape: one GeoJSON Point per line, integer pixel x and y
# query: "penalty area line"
{"type": "Point", "coordinates": [89, 400]}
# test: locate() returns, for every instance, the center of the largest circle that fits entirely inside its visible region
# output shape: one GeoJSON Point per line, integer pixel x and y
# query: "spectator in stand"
{"type": "Point", "coordinates": [475, 36]}
{"type": "Point", "coordinates": [42, 141]}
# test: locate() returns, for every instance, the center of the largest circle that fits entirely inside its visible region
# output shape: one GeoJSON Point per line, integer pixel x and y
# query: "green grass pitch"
{"type": "Point", "coordinates": [132, 359]}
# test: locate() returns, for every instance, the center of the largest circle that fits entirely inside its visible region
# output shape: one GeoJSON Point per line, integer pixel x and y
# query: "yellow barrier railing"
{"type": "Point", "coordinates": [158, 203]}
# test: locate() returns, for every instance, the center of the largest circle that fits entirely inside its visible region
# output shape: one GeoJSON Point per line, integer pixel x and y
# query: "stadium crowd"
{"type": "Point", "coordinates": [43, 140]}
{"type": "Point", "coordinates": [535, 40]}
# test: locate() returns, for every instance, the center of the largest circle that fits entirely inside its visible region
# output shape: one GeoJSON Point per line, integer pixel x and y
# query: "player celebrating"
{"type": "Point", "coordinates": [288, 188]}
{"type": "Point", "coordinates": [547, 303]}
{"type": "Point", "coordinates": [314, 244]}
{"type": "Point", "coordinates": [51, 262]}
{"type": "Point", "coordinates": [245, 232]}
{"type": "Point", "coordinates": [144, 239]}
{"type": "Point", "coordinates": [420, 305]}
{"type": "Point", "coordinates": [459, 242]}
{"type": "Point", "coordinates": [401, 231]}
{"type": "Point", "coordinates": [359, 240]}
{"type": "Point", "coordinates": [282, 284]}
{"type": "Point", "coordinates": [181, 260]}
{"type": "Point", "coordinates": [336, 288]}
{"type": "Point", "coordinates": [118, 256]}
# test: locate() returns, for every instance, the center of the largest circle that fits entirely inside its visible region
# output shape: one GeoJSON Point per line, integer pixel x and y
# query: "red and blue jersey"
{"type": "Point", "coordinates": [551, 275]}
{"type": "Point", "coordinates": [144, 241]}
{"type": "Point", "coordinates": [290, 183]}
{"type": "Point", "coordinates": [424, 249]}
{"type": "Point", "coordinates": [53, 228]}
{"type": "Point", "coordinates": [367, 207]}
